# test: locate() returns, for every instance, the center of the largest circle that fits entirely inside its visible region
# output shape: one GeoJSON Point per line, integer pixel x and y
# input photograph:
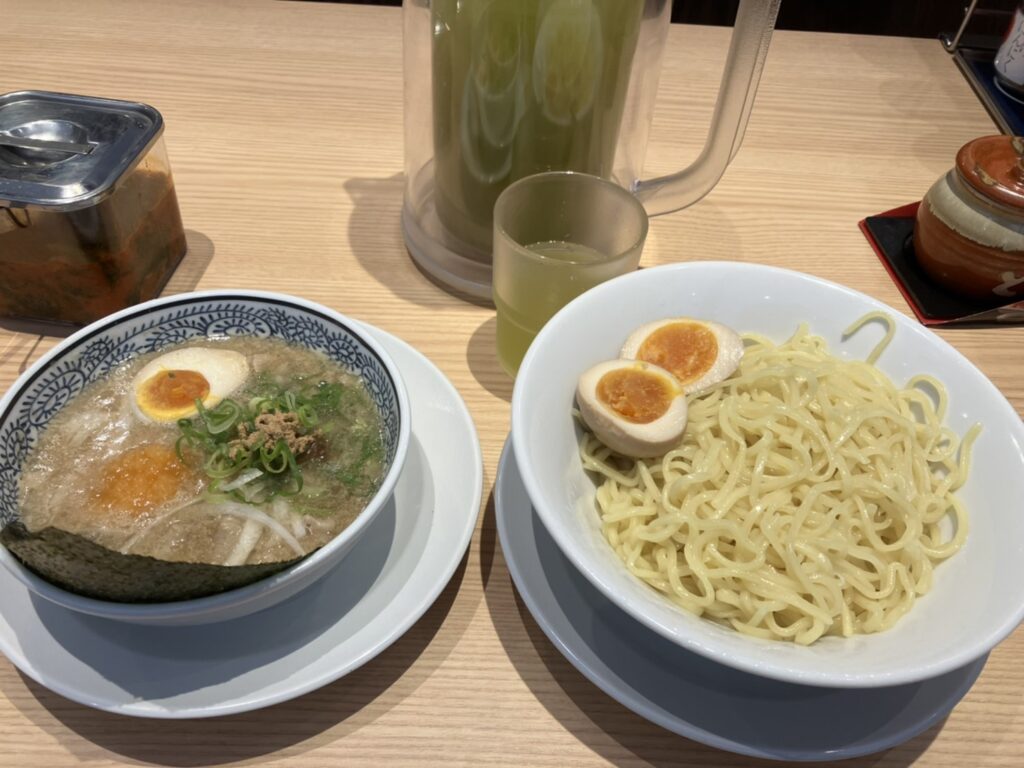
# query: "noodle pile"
{"type": "Point", "coordinates": [809, 495]}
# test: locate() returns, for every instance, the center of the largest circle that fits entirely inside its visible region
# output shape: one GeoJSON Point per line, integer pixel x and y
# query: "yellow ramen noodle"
{"type": "Point", "coordinates": [809, 496]}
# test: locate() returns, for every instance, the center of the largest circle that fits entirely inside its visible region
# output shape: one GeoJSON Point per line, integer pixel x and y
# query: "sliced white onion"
{"type": "Point", "coordinates": [251, 532]}
{"type": "Point", "coordinates": [247, 512]}
{"type": "Point", "coordinates": [126, 548]}
{"type": "Point", "coordinates": [243, 478]}
{"type": "Point", "coordinates": [279, 510]}
{"type": "Point", "coordinates": [283, 513]}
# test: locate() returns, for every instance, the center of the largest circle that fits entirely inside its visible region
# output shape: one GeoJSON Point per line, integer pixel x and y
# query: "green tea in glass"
{"type": "Point", "coordinates": [556, 235]}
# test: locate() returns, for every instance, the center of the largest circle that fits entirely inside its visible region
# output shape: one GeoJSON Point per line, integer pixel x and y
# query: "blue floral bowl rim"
{"type": "Point", "coordinates": [259, 590]}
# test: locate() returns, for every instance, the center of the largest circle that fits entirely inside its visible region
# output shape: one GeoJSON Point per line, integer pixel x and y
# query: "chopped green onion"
{"type": "Point", "coordinates": [276, 459]}
{"type": "Point", "coordinates": [232, 446]}
{"type": "Point", "coordinates": [307, 416]}
{"type": "Point", "coordinates": [221, 465]}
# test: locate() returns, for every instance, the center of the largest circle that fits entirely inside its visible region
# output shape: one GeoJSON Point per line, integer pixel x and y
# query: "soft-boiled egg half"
{"type": "Point", "coordinates": [167, 388]}
{"type": "Point", "coordinates": [635, 408]}
{"type": "Point", "coordinates": [698, 353]}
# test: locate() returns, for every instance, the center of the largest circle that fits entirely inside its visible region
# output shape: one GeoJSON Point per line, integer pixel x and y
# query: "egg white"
{"type": "Point", "coordinates": [730, 350]}
{"type": "Point", "coordinates": [620, 434]}
{"type": "Point", "coordinates": [224, 370]}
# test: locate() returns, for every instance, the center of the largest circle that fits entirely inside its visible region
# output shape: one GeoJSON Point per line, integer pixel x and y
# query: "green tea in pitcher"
{"type": "Point", "coordinates": [520, 87]}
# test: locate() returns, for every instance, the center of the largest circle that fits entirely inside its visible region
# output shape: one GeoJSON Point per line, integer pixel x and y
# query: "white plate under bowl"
{"type": "Point", "coordinates": [687, 694]}
{"type": "Point", "coordinates": [978, 595]}
{"type": "Point", "coordinates": [355, 611]}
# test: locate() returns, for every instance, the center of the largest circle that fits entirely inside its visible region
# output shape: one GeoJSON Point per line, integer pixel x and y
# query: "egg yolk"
{"type": "Point", "coordinates": [636, 395]}
{"type": "Point", "coordinates": [686, 350]}
{"type": "Point", "coordinates": [141, 479]}
{"type": "Point", "coordinates": [172, 393]}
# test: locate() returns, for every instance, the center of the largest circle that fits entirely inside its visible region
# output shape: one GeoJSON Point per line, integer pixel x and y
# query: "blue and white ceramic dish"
{"type": "Point", "coordinates": [95, 350]}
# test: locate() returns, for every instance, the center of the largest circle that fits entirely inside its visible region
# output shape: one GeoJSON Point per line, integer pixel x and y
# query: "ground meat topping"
{"type": "Point", "coordinates": [269, 428]}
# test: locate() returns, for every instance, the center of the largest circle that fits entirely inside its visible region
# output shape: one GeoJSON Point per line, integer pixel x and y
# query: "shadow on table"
{"type": "Point", "coordinates": [192, 268]}
{"type": "Point", "coordinates": [482, 357]}
{"type": "Point", "coordinates": [22, 348]}
{"type": "Point", "coordinates": [285, 730]}
{"type": "Point", "coordinates": [375, 236]}
{"type": "Point", "coordinates": [594, 718]}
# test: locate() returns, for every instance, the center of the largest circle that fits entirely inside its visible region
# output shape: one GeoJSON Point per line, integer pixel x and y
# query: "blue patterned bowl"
{"type": "Point", "coordinates": [94, 351]}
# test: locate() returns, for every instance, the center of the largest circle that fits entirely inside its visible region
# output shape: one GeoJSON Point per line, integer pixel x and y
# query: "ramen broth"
{"type": "Point", "coordinates": [104, 471]}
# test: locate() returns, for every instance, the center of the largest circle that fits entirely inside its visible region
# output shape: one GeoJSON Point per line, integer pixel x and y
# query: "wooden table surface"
{"type": "Point", "coordinates": [284, 127]}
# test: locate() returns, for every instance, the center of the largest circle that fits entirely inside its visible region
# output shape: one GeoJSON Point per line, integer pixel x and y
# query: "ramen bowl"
{"type": "Point", "coordinates": [978, 594]}
{"type": "Point", "coordinates": [93, 352]}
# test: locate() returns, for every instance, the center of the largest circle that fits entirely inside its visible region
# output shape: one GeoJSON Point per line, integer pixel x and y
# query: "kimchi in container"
{"type": "Point", "coordinates": [89, 221]}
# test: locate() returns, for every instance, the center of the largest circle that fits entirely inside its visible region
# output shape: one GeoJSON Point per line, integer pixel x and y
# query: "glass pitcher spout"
{"type": "Point", "coordinates": [752, 33]}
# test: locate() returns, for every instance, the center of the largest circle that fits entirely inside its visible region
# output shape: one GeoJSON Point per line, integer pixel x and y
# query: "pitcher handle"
{"type": "Point", "coordinates": [748, 49]}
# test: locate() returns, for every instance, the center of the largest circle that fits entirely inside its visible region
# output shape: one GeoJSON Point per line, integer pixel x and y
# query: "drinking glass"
{"type": "Point", "coordinates": [556, 235]}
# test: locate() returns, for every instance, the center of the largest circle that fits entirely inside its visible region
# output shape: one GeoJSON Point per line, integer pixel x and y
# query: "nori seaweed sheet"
{"type": "Point", "coordinates": [86, 568]}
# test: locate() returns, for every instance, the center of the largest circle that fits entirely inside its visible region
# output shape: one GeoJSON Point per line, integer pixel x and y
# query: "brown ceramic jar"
{"type": "Point", "coordinates": [969, 234]}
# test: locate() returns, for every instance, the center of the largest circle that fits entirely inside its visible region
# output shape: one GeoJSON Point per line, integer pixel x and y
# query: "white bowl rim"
{"type": "Point", "coordinates": [211, 605]}
{"type": "Point", "coordinates": [757, 666]}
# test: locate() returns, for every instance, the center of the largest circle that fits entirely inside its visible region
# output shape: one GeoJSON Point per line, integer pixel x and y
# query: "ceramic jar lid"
{"type": "Point", "coordinates": [993, 166]}
{"type": "Point", "coordinates": [969, 230]}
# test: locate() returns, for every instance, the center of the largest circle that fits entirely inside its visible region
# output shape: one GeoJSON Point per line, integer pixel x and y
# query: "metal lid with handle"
{"type": "Point", "coordinates": [63, 152]}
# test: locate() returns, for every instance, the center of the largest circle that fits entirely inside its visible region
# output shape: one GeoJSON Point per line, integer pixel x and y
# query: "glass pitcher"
{"type": "Point", "coordinates": [500, 89]}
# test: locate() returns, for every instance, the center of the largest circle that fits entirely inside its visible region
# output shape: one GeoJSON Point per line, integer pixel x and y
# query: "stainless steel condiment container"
{"type": "Point", "coordinates": [89, 220]}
